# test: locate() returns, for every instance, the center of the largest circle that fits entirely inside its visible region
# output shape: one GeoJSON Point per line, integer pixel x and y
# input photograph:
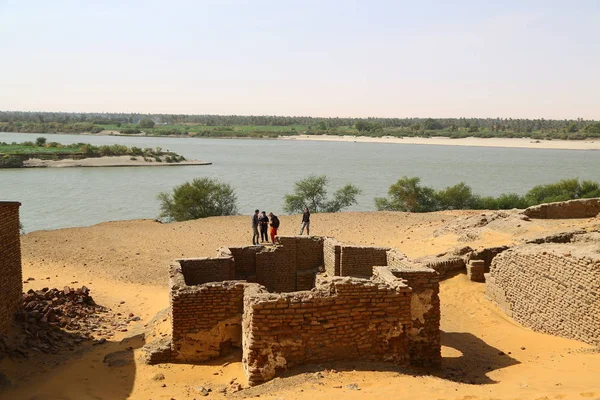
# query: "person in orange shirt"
{"type": "Point", "coordinates": [274, 226]}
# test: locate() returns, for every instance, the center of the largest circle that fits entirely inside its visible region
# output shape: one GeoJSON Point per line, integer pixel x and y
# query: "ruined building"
{"type": "Point", "coordinates": [551, 285]}
{"type": "Point", "coordinates": [305, 300]}
{"type": "Point", "coordinates": [11, 282]}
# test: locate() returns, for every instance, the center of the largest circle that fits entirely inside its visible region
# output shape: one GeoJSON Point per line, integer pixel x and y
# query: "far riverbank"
{"type": "Point", "coordinates": [115, 161]}
{"type": "Point", "coordinates": [523, 143]}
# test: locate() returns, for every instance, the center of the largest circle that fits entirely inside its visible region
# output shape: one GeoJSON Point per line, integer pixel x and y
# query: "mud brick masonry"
{"type": "Point", "coordinates": [11, 281]}
{"type": "Point", "coordinates": [551, 287]}
{"type": "Point", "coordinates": [304, 300]}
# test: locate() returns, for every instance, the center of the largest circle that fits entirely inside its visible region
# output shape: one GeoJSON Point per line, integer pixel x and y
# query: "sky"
{"type": "Point", "coordinates": [510, 59]}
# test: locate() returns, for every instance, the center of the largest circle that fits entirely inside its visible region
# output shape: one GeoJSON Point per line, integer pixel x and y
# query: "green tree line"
{"type": "Point", "coordinates": [19, 121]}
{"type": "Point", "coordinates": [208, 197]}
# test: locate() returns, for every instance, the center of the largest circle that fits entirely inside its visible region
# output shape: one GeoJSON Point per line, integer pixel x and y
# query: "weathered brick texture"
{"type": "Point", "coordinates": [424, 335]}
{"type": "Point", "coordinates": [291, 315]}
{"type": "Point", "coordinates": [551, 288]}
{"type": "Point", "coordinates": [581, 208]}
{"type": "Point", "coordinates": [205, 318]}
{"type": "Point", "coordinates": [202, 270]}
{"type": "Point", "coordinates": [11, 279]}
{"type": "Point", "coordinates": [342, 319]}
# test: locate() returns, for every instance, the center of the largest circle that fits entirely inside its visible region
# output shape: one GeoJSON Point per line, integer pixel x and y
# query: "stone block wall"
{"type": "Point", "coordinates": [551, 288]}
{"type": "Point", "coordinates": [359, 261]}
{"type": "Point", "coordinates": [11, 279]}
{"type": "Point", "coordinates": [342, 319]}
{"type": "Point", "coordinates": [206, 318]}
{"type": "Point", "coordinates": [581, 208]}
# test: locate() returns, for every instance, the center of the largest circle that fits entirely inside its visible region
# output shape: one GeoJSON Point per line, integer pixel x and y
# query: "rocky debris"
{"type": "Point", "coordinates": [352, 386]}
{"type": "Point", "coordinates": [158, 377]}
{"type": "Point", "coordinates": [55, 319]}
{"type": "Point", "coordinates": [203, 390]}
{"type": "Point", "coordinates": [119, 358]}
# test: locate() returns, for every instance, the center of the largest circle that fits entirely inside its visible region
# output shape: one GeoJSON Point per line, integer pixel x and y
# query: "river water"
{"type": "Point", "coordinates": [263, 171]}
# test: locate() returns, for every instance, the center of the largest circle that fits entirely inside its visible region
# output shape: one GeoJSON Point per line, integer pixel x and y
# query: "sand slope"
{"type": "Point", "coordinates": [126, 261]}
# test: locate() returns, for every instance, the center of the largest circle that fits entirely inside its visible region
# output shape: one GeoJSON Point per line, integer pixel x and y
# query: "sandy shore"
{"type": "Point", "coordinates": [486, 355]}
{"type": "Point", "coordinates": [116, 161]}
{"type": "Point", "coordinates": [524, 143]}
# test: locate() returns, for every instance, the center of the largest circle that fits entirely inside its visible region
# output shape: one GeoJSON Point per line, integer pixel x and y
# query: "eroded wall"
{"type": "Point", "coordinates": [342, 319]}
{"type": "Point", "coordinates": [580, 208]}
{"type": "Point", "coordinates": [11, 279]}
{"type": "Point", "coordinates": [205, 319]}
{"type": "Point", "coordinates": [551, 288]}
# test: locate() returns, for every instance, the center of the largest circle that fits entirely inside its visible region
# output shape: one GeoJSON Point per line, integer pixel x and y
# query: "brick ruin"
{"type": "Point", "coordinates": [304, 300]}
{"type": "Point", "coordinates": [11, 281]}
{"type": "Point", "coordinates": [551, 287]}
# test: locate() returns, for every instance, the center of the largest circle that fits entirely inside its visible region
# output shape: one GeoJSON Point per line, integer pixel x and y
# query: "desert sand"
{"type": "Point", "coordinates": [486, 355]}
{"type": "Point", "coordinates": [113, 161]}
{"type": "Point", "coordinates": [525, 143]}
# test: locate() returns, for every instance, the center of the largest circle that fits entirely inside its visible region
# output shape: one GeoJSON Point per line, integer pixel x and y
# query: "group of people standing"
{"type": "Point", "coordinates": [261, 221]}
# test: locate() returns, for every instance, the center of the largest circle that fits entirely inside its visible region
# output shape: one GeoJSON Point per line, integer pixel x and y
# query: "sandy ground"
{"type": "Point", "coordinates": [114, 161]}
{"type": "Point", "coordinates": [126, 262]}
{"type": "Point", "coordinates": [471, 141]}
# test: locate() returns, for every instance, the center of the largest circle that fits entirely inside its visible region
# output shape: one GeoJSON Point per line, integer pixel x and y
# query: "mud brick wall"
{"type": "Point", "coordinates": [446, 266]}
{"type": "Point", "coordinates": [309, 251]}
{"type": "Point", "coordinates": [11, 279]}
{"type": "Point", "coordinates": [343, 319]}
{"type": "Point", "coordinates": [582, 208]}
{"type": "Point", "coordinates": [202, 270]}
{"type": "Point", "coordinates": [359, 261]}
{"type": "Point", "coordinates": [245, 261]}
{"type": "Point", "coordinates": [331, 256]}
{"type": "Point", "coordinates": [424, 335]}
{"type": "Point", "coordinates": [487, 255]}
{"type": "Point", "coordinates": [550, 288]}
{"type": "Point", "coordinates": [276, 268]}
{"type": "Point", "coordinates": [206, 318]}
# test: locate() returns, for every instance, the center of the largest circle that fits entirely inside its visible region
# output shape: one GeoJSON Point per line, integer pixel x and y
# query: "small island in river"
{"type": "Point", "coordinates": [40, 154]}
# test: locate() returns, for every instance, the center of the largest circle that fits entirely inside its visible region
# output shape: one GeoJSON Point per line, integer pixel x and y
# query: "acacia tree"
{"type": "Point", "coordinates": [201, 198]}
{"type": "Point", "coordinates": [311, 192]}
{"type": "Point", "coordinates": [408, 195]}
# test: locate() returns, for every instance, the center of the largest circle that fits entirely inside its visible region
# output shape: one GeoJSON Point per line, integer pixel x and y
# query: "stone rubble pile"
{"type": "Point", "coordinates": [55, 319]}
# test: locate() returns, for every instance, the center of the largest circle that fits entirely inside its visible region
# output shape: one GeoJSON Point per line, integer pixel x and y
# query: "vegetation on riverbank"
{"type": "Point", "coordinates": [408, 195]}
{"type": "Point", "coordinates": [13, 155]}
{"type": "Point", "coordinates": [274, 126]}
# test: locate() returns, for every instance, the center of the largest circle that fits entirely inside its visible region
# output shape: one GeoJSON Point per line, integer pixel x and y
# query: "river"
{"type": "Point", "coordinates": [263, 171]}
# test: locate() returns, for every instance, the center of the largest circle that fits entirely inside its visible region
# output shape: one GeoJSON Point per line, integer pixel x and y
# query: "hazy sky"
{"type": "Point", "coordinates": [320, 58]}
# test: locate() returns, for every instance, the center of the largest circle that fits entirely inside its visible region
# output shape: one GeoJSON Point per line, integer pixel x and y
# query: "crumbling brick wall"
{"type": "Point", "coordinates": [197, 271]}
{"type": "Point", "coordinates": [331, 256]}
{"type": "Point", "coordinates": [551, 288]}
{"type": "Point", "coordinates": [359, 261]}
{"type": "Point", "coordinates": [11, 279]}
{"type": "Point", "coordinates": [424, 335]}
{"type": "Point", "coordinates": [342, 319]}
{"type": "Point", "coordinates": [580, 208]}
{"type": "Point", "coordinates": [205, 318]}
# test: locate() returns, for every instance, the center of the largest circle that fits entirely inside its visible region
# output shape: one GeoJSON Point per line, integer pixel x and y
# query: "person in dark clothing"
{"type": "Point", "coordinates": [274, 226]}
{"type": "Point", "coordinates": [255, 235]}
{"type": "Point", "coordinates": [263, 221]}
{"type": "Point", "coordinates": [305, 222]}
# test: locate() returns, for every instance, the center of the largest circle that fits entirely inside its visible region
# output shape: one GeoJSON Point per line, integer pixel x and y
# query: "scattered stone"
{"type": "Point", "coordinates": [158, 377]}
{"type": "Point", "coordinates": [337, 387]}
{"type": "Point", "coordinates": [204, 391]}
{"type": "Point", "coordinates": [352, 386]}
{"type": "Point", "coordinates": [118, 359]}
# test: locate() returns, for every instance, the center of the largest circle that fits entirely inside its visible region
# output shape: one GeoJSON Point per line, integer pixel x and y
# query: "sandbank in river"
{"type": "Point", "coordinates": [115, 161]}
